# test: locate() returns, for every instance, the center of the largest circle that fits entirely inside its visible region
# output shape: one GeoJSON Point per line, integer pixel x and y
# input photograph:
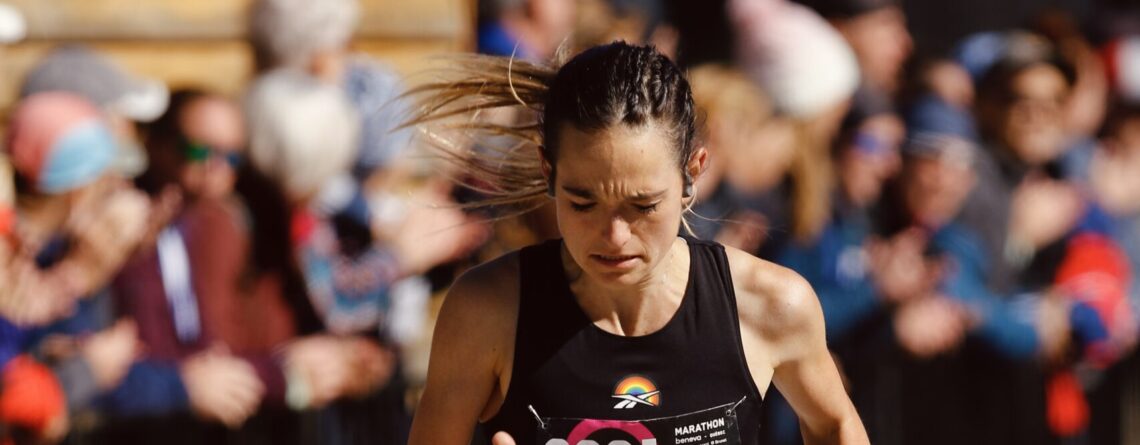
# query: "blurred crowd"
{"type": "Point", "coordinates": [187, 267]}
{"type": "Point", "coordinates": [181, 266]}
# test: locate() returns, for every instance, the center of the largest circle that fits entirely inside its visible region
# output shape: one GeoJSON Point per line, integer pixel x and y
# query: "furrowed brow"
{"type": "Point", "coordinates": [581, 193]}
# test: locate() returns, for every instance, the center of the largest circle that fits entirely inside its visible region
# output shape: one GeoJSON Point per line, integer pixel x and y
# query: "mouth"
{"type": "Point", "coordinates": [615, 261]}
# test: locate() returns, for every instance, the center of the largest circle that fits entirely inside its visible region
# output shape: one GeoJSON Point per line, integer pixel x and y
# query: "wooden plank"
{"type": "Point", "coordinates": [222, 66]}
{"type": "Point", "coordinates": [226, 19]}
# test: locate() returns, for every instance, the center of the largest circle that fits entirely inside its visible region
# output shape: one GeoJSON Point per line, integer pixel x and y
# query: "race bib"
{"type": "Point", "coordinates": [713, 426]}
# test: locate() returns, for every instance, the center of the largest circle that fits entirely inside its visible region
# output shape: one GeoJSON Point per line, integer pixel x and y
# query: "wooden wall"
{"type": "Point", "coordinates": [201, 42]}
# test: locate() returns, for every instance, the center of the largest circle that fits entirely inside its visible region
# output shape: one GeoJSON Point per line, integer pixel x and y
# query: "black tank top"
{"type": "Point", "coordinates": [565, 367]}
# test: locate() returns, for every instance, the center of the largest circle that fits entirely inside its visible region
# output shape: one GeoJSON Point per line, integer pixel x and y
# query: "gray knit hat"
{"type": "Point", "coordinates": [79, 70]}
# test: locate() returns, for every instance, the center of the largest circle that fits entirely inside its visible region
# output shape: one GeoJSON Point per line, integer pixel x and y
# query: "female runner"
{"type": "Point", "coordinates": [621, 332]}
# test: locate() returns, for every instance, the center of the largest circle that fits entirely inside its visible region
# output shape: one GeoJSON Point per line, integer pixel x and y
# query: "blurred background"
{"type": "Point", "coordinates": [215, 226]}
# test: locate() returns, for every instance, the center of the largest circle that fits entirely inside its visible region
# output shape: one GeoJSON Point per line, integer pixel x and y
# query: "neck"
{"type": "Point", "coordinates": [637, 309]}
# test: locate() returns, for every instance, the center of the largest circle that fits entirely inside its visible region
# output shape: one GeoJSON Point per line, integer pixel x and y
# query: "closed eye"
{"type": "Point", "coordinates": [647, 208]}
{"type": "Point", "coordinates": [581, 207]}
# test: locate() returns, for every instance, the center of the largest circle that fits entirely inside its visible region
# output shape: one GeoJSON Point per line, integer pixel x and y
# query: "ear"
{"type": "Point", "coordinates": [698, 162]}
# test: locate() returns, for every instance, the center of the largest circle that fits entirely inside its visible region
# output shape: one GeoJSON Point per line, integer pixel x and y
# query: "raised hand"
{"type": "Point", "coordinates": [1043, 210]}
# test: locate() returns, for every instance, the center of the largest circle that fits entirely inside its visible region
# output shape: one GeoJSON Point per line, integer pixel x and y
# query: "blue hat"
{"type": "Point", "coordinates": [993, 51]}
{"type": "Point", "coordinates": [59, 142]}
{"type": "Point", "coordinates": [977, 53]}
{"type": "Point", "coordinates": [936, 128]}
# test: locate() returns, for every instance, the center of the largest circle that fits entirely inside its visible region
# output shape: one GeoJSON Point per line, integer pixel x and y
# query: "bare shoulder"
{"type": "Point", "coordinates": [471, 353]}
{"type": "Point", "coordinates": [490, 278]}
{"type": "Point", "coordinates": [774, 300]}
{"type": "Point", "coordinates": [485, 295]}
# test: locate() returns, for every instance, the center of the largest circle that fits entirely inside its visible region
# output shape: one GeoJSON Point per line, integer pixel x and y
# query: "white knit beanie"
{"type": "Point", "coordinates": [303, 132]}
{"type": "Point", "coordinates": [13, 28]}
{"type": "Point", "coordinates": [290, 32]}
{"type": "Point", "coordinates": [799, 59]}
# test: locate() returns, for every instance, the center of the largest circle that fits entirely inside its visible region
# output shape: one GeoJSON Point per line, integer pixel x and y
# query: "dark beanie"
{"type": "Point", "coordinates": [845, 9]}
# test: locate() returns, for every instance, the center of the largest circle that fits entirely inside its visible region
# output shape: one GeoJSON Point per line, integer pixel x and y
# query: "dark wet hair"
{"type": "Point", "coordinates": [602, 87]}
{"type": "Point", "coordinates": [620, 84]}
{"type": "Point", "coordinates": [1024, 51]}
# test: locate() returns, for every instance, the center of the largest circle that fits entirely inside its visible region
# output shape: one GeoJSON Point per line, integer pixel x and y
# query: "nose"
{"type": "Point", "coordinates": [217, 164]}
{"type": "Point", "coordinates": [617, 231]}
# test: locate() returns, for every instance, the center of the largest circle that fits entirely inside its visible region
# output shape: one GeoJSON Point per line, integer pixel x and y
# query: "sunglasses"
{"type": "Point", "coordinates": [871, 144]}
{"type": "Point", "coordinates": [198, 152]}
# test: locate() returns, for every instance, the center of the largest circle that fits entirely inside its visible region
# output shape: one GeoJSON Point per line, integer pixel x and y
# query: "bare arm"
{"type": "Point", "coordinates": [473, 344]}
{"type": "Point", "coordinates": [786, 326]}
{"type": "Point", "coordinates": [807, 376]}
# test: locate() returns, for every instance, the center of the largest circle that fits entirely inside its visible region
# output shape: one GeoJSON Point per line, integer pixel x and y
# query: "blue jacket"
{"type": "Point", "coordinates": [836, 267]}
{"type": "Point", "coordinates": [1003, 325]}
{"type": "Point", "coordinates": [150, 388]}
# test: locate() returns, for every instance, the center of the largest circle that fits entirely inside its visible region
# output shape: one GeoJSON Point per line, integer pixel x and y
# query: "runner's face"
{"type": "Point", "coordinates": [618, 201]}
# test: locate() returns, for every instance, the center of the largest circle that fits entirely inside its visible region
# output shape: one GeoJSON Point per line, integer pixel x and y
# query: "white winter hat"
{"type": "Point", "coordinates": [13, 28]}
{"type": "Point", "coordinates": [303, 132]}
{"type": "Point", "coordinates": [799, 59]}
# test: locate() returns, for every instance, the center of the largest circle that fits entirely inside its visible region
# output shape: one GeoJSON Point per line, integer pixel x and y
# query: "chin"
{"type": "Point", "coordinates": [616, 277]}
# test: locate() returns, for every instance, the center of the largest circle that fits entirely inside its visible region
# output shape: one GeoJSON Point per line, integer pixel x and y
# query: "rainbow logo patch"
{"type": "Point", "coordinates": [636, 390]}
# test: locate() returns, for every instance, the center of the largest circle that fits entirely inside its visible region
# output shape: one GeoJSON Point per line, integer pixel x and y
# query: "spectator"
{"type": "Point", "coordinates": [60, 150]}
{"type": "Point", "coordinates": [951, 332]}
{"type": "Point", "coordinates": [850, 272]}
{"type": "Point", "coordinates": [303, 134]}
{"type": "Point", "coordinates": [876, 31]}
{"type": "Point", "coordinates": [780, 46]}
{"type": "Point", "coordinates": [75, 225]}
{"type": "Point", "coordinates": [182, 289]}
{"type": "Point", "coordinates": [313, 37]}
{"type": "Point", "coordinates": [1045, 233]}
{"type": "Point", "coordinates": [751, 153]}
{"type": "Point", "coordinates": [1114, 182]}
{"type": "Point", "coordinates": [125, 98]}
{"type": "Point", "coordinates": [530, 29]}
{"type": "Point", "coordinates": [858, 278]}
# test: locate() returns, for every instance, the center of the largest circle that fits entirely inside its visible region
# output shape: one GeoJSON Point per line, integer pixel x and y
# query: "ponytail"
{"type": "Point", "coordinates": [498, 103]}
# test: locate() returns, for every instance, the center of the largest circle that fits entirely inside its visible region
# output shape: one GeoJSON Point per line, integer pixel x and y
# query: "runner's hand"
{"type": "Point", "coordinates": [502, 438]}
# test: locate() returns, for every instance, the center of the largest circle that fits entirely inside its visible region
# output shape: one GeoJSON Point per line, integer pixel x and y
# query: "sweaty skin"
{"type": "Point", "coordinates": [619, 206]}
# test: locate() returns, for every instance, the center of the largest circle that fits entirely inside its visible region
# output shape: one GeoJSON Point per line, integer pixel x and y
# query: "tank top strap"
{"type": "Point", "coordinates": [717, 304]}
{"type": "Point", "coordinates": [548, 314]}
{"type": "Point", "coordinates": [713, 282]}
